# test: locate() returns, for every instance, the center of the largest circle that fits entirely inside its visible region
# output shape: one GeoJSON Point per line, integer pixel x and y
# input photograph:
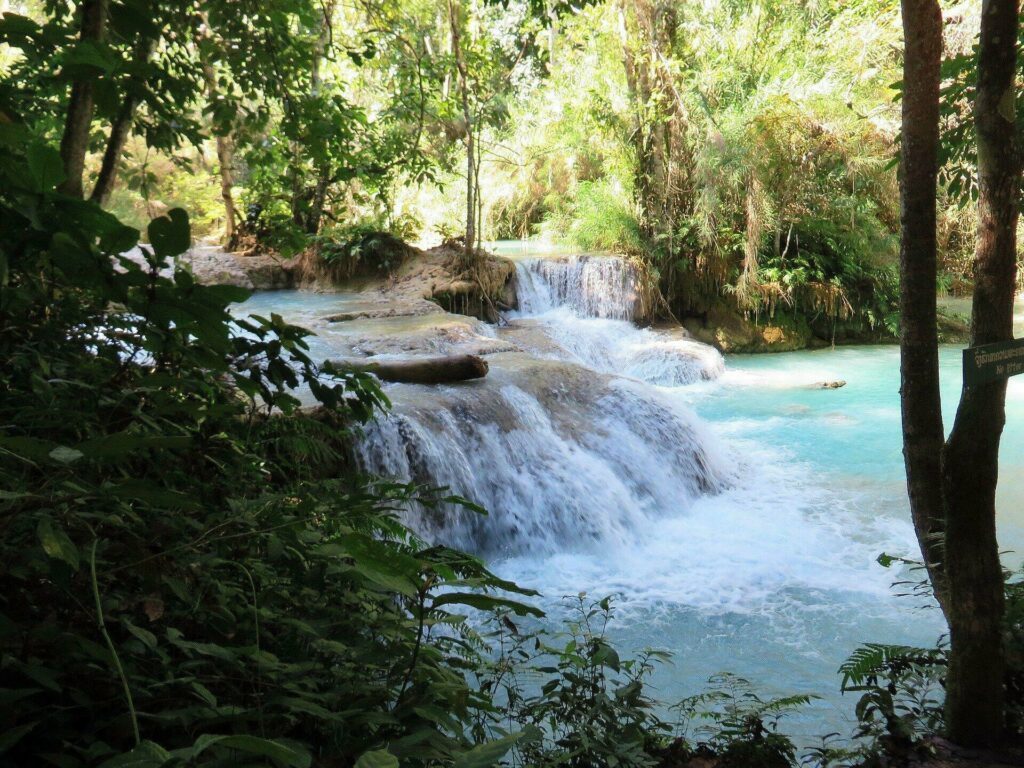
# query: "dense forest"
{"type": "Point", "coordinates": [744, 151]}
{"type": "Point", "coordinates": [197, 567]}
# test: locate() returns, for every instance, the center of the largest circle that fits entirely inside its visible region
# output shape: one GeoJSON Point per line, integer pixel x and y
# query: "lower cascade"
{"type": "Point", "coordinates": [568, 442]}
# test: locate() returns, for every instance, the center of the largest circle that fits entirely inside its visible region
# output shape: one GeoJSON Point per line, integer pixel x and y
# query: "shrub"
{"type": "Point", "coordinates": [192, 575]}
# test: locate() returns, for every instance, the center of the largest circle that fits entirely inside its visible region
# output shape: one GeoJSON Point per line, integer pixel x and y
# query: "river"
{"type": "Point", "coordinates": [734, 510]}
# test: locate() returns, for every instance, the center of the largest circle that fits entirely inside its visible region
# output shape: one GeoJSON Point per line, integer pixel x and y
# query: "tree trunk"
{"type": "Point", "coordinates": [225, 148]}
{"type": "Point", "coordinates": [120, 129]}
{"type": "Point", "coordinates": [427, 370]}
{"type": "Point", "coordinates": [74, 142]}
{"type": "Point", "coordinates": [460, 64]}
{"type": "Point", "coordinates": [919, 352]}
{"type": "Point", "coordinates": [317, 202]}
{"type": "Point", "coordinates": [974, 687]}
{"type": "Point", "coordinates": [226, 163]}
{"type": "Point", "coordinates": [318, 194]}
{"type": "Point", "coordinates": [648, 32]}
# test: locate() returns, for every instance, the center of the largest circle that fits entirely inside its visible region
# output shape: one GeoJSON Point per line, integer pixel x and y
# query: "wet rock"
{"type": "Point", "coordinates": [728, 330]}
{"type": "Point", "coordinates": [412, 335]}
{"type": "Point", "coordinates": [417, 279]}
{"type": "Point", "coordinates": [212, 265]}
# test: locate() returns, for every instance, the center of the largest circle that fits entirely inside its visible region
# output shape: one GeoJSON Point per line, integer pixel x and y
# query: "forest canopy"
{"type": "Point", "coordinates": [744, 150]}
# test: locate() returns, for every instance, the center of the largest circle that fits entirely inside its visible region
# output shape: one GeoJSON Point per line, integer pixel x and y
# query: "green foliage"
{"type": "Point", "coordinates": [578, 702]}
{"type": "Point", "coordinates": [600, 218]}
{"type": "Point", "coordinates": [958, 149]}
{"type": "Point", "coordinates": [740, 727]}
{"type": "Point", "coordinates": [901, 702]}
{"type": "Point", "coordinates": [192, 573]}
{"type": "Point", "coordinates": [585, 706]}
{"type": "Point", "coordinates": [363, 250]}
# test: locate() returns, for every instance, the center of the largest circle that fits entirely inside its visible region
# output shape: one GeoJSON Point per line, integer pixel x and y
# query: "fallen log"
{"type": "Point", "coordinates": [424, 370]}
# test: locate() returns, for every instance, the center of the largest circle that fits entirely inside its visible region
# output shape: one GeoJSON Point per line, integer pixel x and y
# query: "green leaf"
{"type": "Point", "coordinates": [228, 294]}
{"type": "Point", "coordinates": [56, 543]}
{"type": "Point", "coordinates": [607, 656]}
{"type": "Point", "coordinates": [144, 635]}
{"type": "Point", "coordinates": [88, 58]}
{"type": "Point", "coordinates": [14, 26]}
{"type": "Point", "coordinates": [65, 455]}
{"type": "Point", "coordinates": [204, 693]}
{"type": "Point", "coordinates": [485, 603]}
{"type": "Point", "coordinates": [378, 758]}
{"type": "Point", "coordinates": [145, 755]}
{"type": "Point", "coordinates": [123, 443]}
{"type": "Point", "coordinates": [11, 737]}
{"type": "Point", "coordinates": [45, 167]}
{"type": "Point", "coordinates": [170, 235]}
{"type": "Point", "coordinates": [253, 745]}
{"type": "Point", "coordinates": [486, 755]}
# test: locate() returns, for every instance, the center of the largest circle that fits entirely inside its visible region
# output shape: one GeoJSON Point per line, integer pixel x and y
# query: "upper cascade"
{"type": "Point", "coordinates": [590, 285]}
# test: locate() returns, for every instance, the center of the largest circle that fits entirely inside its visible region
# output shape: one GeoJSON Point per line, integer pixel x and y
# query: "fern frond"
{"type": "Point", "coordinates": [873, 659]}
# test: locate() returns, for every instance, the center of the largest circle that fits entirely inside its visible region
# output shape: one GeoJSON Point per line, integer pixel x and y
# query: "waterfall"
{"type": "Point", "coordinates": [559, 456]}
{"type": "Point", "coordinates": [569, 442]}
{"type": "Point", "coordinates": [591, 286]}
{"type": "Point", "coordinates": [748, 542]}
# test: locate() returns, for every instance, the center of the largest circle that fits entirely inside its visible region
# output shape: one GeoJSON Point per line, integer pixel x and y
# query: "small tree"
{"type": "Point", "coordinates": [455, 23]}
{"type": "Point", "coordinates": [952, 484]}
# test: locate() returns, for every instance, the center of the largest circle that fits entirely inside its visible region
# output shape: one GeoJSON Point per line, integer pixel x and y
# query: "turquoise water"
{"type": "Point", "coordinates": [774, 578]}
{"type": "Point", "coordinates": [847, 444]}
{"type": "Point", "coordinates": [852, 435]}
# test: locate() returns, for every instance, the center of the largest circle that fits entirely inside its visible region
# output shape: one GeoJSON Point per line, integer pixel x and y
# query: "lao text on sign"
{"type": "Point", "coordinates": [992, 362]}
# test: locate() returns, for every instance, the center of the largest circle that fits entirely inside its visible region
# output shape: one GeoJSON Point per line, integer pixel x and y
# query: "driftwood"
{"type": "Point", "coordinates": [424, 370]}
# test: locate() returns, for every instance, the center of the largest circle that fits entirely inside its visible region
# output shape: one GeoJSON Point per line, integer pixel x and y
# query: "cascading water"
{"type": "Point", "coordinates": [566, 447]}
{"type": "Point", "coordinates": [591, 286]}
{"type": "Point", "coordinates": [743, 539]}
{"type": "Point", "coordinates": [559, 455]}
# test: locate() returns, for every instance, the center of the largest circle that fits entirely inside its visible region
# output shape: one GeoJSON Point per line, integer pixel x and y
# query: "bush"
{"type": "Point", "coordinates": [577, 701]}
{"type": "Point", "coordinates": [192, 574]}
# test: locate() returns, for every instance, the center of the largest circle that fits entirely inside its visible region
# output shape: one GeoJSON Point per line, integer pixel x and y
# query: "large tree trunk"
{"type": "Point", "coordinates": [919, 352]}
{"type": "Point", "coordinates": [74, 142]}
{"type": "Point", "coordinates": [226, 163]}
{"type": "Point", "coordinates": [460, 64]}
{"type": "Point", "coordinates": [664, 162]}
{"type": "Point", "coordinates": [974, 688]}
{"type": "Point", "coordinates": [649, 152]}
{"type": "Point", "coordinates": [225, 147]}
{"type": "Point", "coordinates": [120, 129]}
{"type": "Point", "coordinates": [318, 194]}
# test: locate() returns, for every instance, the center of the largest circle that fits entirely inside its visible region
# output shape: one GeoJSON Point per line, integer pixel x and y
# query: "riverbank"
{"type": "Point", "coordinates": [408, 280]}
